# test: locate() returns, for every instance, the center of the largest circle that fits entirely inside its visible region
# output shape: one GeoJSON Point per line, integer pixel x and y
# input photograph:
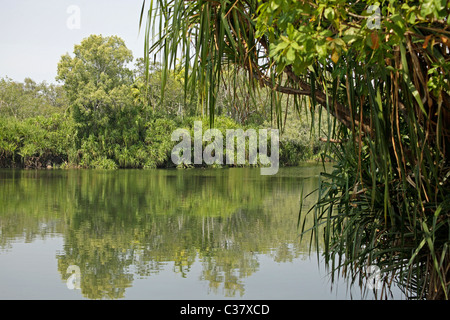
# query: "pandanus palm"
{"type": "Point", "coordinates": [381, 72]}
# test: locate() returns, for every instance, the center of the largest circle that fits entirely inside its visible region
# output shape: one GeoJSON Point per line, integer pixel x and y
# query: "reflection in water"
{"type": "Point", "coordinates": [126, 224]}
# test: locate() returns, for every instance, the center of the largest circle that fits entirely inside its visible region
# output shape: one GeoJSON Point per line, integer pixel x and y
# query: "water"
{"type": "Point", "coordinates": [159, 234]}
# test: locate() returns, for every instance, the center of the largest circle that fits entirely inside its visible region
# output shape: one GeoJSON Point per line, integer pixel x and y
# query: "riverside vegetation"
{"type": "Point", "coordinates": [105, 115]}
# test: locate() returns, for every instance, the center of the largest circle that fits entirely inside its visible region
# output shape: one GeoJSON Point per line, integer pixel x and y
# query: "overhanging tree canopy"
{"type": "Point", "coordinates": [382, 69]}
{"type": "Point", "coordinates": [287, 45]}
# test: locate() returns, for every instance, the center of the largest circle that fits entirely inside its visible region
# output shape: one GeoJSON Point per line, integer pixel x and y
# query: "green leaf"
{"type": "Point", "coordinates": [321, 49]}
{"type": "Point", "coordinates": [329, 13]}
{"type": "Point", "coordinates": [290, 55]}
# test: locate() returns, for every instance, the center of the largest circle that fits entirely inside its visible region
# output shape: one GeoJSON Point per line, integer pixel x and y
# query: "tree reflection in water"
{"type": "Point", "coordinates": [122, 224]}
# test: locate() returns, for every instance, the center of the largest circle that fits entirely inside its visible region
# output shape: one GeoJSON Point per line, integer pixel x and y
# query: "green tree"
{"type": "Point", "coordinates": [147, 90]}
{"type": "Point", "coordinates": [97, 79]}
{"type": "Point", "coordinates": [30, 99]}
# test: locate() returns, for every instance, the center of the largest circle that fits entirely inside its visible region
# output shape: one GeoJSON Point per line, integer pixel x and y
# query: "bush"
{"type": "Point", "coordinates": [125, 140]}
{"type": "Point", "coordinates": [35, 142]}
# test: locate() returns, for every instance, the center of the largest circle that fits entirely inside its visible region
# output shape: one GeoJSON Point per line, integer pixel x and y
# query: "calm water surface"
{"type": "Point", "coordinates": [159, 234]}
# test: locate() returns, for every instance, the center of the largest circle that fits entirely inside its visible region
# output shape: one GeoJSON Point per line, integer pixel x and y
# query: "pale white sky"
{"type": "Point", "coordinates": [34, 34]}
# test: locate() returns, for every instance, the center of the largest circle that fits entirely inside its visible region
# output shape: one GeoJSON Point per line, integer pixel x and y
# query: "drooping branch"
{"type": "Point", "coordinates": [338, 110]}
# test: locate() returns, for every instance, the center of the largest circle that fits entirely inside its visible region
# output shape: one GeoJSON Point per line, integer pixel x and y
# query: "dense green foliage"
{"type": "Point", "coordinates": [380, 70]}
{"type": "Point", "coordinates": [30, 99]}
{"type": "Point", "coordinates": [106, 115]}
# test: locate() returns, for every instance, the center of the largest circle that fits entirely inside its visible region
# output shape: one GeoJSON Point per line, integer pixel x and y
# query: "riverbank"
{"type": "Point", "coordinates": [125, 141]}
